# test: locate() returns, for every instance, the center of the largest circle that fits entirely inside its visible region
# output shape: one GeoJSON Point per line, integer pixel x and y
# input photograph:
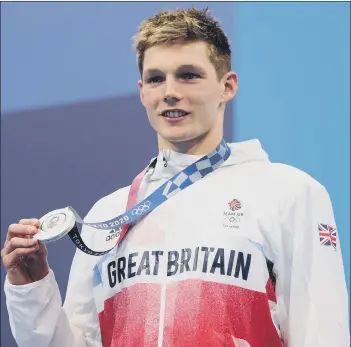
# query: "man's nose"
{"type": "Point", "coordinates": [172, 95]}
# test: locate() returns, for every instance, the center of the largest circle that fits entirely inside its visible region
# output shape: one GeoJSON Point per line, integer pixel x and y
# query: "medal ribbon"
{"type": "Point", "coordinates": [134, 211]}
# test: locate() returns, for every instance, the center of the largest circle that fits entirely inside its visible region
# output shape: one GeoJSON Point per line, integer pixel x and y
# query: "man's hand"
{"type": "Point", "coordinates": [24, 258]}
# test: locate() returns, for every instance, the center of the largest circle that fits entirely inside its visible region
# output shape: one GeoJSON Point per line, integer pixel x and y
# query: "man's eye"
{"type": "Point", "coordinates": [154, 79]}
{"type": "Point", "coordinates": [189, 76]}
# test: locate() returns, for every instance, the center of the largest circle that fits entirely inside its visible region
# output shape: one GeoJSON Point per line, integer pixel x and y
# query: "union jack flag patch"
{"type": "Point", "coordinates": [327, 235]}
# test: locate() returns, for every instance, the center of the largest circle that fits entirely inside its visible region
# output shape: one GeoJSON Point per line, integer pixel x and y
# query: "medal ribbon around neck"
{"type": "Point", "coordinates": [58, 223]}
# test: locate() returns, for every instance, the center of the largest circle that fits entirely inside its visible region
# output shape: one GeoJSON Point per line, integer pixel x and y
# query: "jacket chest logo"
{"type": "Point", "coordinates": [233, 216]}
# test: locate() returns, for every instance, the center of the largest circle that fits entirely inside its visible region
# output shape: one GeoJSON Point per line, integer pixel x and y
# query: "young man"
{"type": "Point", "coordinates": [246, 256]}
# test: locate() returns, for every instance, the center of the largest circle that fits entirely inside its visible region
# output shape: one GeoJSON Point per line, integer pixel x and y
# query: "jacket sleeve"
{"type": "Point", "coordinates": [38, 318]}
{"type": "Point", "coordinates": [311, 287]}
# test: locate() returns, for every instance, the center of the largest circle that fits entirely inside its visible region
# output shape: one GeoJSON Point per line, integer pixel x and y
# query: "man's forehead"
{"type": "Point", "coordinates": [176, 56]}
{"type": "Point", "coordinates": [178, 47]}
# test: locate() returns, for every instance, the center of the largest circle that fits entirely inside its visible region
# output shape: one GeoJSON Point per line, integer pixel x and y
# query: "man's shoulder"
{"type": "Point", "coordinates": [296, 175]}
{"type": "Point", "coordinates": [290, 179]}
{"type": "Point", "coordinates": [279, 181]}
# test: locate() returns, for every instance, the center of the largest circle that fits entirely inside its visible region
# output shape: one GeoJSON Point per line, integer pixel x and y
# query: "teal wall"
{"type": "Point", "coordinates": [293, 61]}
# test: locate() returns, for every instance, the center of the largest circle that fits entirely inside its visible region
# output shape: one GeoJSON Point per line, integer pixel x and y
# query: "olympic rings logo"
{"type": "Point", "coordinates": [142, 208]}
{"type": "Point", "coordinates": [234, 219]}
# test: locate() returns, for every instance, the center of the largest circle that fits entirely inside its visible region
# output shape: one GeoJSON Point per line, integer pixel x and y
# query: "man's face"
{"type": "Point", "coordinates": [181, 77]}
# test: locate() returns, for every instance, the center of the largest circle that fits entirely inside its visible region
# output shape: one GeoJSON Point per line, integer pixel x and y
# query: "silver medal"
{"type": "Point", "coordinates": [55, 225]}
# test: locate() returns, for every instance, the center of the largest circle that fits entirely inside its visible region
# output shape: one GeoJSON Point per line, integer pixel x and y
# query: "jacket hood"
{"type": "Point", "coordinates": [170, 162]}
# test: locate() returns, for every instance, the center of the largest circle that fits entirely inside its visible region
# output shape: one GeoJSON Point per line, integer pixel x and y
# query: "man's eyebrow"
{"type": "Point", "coordinates": [192, 67]}
{"type": "Point", "coordinates": [152, 71]}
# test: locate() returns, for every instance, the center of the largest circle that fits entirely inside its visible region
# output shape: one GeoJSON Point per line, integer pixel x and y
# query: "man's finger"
{"type": "Point", "coordinates": [18, 242]}
{"type": "Point", "coordinates": [30, 221]}
{"type": "Point", "coordinates": [19, 230]}
{"type": "Point", "coordinates": [14, 256]}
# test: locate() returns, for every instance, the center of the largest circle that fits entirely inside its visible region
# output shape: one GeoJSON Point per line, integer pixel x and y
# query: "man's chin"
{"type": "Point", "coordinates": [179, 138]}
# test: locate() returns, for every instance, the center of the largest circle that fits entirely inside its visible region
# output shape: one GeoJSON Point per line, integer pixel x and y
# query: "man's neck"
{"type": "Point", "coordinates": [198, 146]}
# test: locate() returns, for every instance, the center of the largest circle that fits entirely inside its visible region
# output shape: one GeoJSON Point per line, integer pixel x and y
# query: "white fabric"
{"type": "Point", "coordinates": [281, 207]}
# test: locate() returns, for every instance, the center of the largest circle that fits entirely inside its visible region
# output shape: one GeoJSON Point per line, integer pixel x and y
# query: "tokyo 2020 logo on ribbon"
{"type": "Point", "coordinates": [142, 208]}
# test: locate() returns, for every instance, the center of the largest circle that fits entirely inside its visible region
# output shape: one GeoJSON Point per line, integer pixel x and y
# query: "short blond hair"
{"type": "Point", "coordinates": [185, 26]}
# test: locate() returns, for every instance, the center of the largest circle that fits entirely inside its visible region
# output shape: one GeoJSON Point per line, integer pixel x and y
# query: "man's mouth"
{"type": "Point", "coordinates": [174, 114]}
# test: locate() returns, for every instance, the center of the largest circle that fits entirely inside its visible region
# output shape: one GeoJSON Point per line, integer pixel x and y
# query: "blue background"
{"type": "Point", "coordinates": [71, 65]}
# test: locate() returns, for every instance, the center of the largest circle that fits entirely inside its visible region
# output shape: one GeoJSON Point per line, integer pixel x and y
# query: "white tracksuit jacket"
{"type": "Point", "coordinates": [236, 259]}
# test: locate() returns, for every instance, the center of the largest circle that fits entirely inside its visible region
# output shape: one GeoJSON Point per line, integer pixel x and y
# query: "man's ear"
{"type": "Point", "coordinates": [230, 82]}
{"type": "Point", "coordinates": [141, 91]}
